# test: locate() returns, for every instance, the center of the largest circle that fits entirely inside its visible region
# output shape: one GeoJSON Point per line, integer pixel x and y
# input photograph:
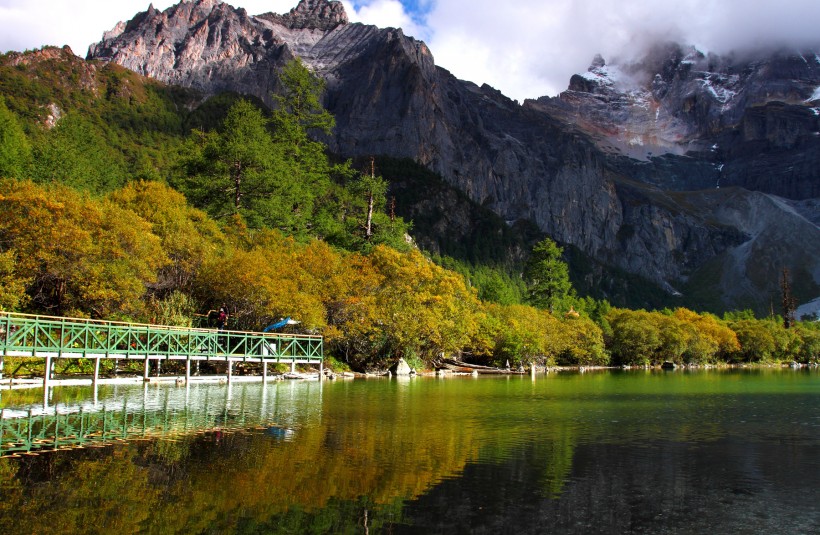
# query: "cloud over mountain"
{"type": "Point", "coordinates": [530, 48]}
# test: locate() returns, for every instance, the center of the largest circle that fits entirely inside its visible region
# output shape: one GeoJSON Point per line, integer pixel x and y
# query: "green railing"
{"type": "Point", "coordinates": [23, 335]}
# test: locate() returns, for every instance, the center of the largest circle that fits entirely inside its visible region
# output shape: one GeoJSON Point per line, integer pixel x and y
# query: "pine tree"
{"type": "Point", "coordinates": [232, 170]}
{"type": "Point", "coordinates": [15, 151]}
{"type": "Point", "coordinates": [547, 276]}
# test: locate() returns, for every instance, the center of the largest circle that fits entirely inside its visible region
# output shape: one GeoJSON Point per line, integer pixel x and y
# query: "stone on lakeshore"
{"type": "Point", "coordinates": [401, 368]}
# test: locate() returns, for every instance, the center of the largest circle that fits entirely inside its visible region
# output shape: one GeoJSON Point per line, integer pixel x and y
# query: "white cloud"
{"type": "Point", "coordinates": [530, 48]}
{"type": "Point", "coordinates": [385, 14]}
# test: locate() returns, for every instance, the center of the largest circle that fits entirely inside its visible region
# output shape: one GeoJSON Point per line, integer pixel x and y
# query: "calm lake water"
{"type": "Point", "coordinates": [603, 452]}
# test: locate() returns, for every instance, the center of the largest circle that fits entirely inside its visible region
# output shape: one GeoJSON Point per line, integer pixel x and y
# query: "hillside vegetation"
{"type": "Point", "coordinates": [126, 199]}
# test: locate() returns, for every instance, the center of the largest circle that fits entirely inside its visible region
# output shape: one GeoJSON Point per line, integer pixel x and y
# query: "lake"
{"type": "Point", "coordinates": [599, 452]}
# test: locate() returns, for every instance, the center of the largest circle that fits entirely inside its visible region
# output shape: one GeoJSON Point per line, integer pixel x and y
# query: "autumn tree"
{"type": "Point", "coordinates": [12, 282]}
{"type": "Point", "coordinates": [809, 348]}
{"type": "Point", "coordinates": [756, 343]}
{"type": "Point", "coordinates": [188, 236]}
{"type": "Point", "coordinates": [79, 255]}
{"type": "Point", "coordinates": [260, 284]}
{"type": "Point", "coordinates": [585, 345]}
{"type": "Point", "coordinates": [525, 335]}
{"type": "Point", "coordinates": [708, 340]}
{"type": "Point", "coordinates": [347, 284]}
{"type": "Point", "coordinates": [425, 310]}
{"type": "Point", "coordinates": [635, 337]}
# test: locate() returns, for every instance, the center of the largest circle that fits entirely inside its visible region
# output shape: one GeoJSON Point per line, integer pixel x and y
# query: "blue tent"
{"type": "Point", "coordinates": [279, 324]}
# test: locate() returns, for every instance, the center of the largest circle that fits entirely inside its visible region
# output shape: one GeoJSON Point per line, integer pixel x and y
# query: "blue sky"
{"type": "Point", "coordinates": [416, 9]}
{"type": "Point", "coordinates": [525, 48]}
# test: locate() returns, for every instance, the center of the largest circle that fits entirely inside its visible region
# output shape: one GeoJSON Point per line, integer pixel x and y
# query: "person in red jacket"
{"type": "Point", "coordinates": [222, 319]}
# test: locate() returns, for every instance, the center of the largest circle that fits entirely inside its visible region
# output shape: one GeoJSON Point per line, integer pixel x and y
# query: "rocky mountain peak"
{"type": "Point", "coordinates": [322, 15]}
{"type": "Point", "coordinates": [597, 62]}
{"type": "Point", "coordinates": [609, 166]}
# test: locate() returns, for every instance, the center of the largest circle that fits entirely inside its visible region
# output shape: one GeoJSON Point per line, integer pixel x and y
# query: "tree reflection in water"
{"type": "Point", "coordinates": [592, 453]}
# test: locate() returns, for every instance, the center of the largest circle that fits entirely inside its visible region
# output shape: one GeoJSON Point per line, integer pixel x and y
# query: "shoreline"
{"type": "Point", "coordinates": [313, 375]}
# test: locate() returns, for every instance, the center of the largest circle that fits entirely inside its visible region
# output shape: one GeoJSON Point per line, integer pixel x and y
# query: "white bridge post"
{"type": "Point", "coordinates": [47, 372]}
{"type": "Point", "coordinates": [96, 370]}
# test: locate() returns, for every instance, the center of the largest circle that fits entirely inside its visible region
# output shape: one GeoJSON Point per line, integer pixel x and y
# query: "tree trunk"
{"type": "Point", "coordinates": [237, 184]}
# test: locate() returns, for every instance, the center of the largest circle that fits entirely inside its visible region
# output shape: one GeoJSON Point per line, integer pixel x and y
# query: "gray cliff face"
{"type": "Point", "coordinates": [604, 166]}
{"type": "Point", "coordinates": [388, 98]}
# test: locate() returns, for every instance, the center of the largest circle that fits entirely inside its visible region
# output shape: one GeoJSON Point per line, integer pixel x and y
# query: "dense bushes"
{"type": "Point", "coordinates": [75, 255]}
{"type": "Point", "coordinates": [685, 337]}
{"type": "Point", "coordinates": [143, 253]}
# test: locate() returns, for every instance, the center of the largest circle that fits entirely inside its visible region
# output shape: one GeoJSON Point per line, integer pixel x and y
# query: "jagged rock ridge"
{"type": "Point", "coordinates": [687, 120]}
{"type": "Point", "coordinates": [589, 167]}
{"type": "Point", "coordinates": [311, 15]}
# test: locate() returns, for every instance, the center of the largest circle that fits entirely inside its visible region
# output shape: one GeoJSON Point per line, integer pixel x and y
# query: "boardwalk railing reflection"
{"type": "Point", "coordinates": [153, 412]}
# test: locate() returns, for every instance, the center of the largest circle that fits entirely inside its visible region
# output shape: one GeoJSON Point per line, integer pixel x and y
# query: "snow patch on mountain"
{"type": "Point", "coordinates": [605, 75]}
{"type": "Point", "coordinates": [812, 308]}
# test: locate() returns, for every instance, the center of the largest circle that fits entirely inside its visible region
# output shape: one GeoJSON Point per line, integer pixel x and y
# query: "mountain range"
{"type": "Point", "coordinates": [695, 172]}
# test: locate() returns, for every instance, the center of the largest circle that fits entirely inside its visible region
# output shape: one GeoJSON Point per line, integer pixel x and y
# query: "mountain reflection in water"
{"type": "Point", "coordinates": [609, 452]}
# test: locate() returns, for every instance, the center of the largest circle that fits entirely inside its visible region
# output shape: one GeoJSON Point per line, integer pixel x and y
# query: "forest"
{"type": "Point", "coordinates": [124, 199]}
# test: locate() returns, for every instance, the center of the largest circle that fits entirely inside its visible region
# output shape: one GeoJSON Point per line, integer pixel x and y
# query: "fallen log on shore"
{"type": "Point", "coordinates": [464, 367]}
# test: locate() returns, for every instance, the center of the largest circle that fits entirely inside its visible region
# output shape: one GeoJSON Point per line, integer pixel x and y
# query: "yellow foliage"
{"type": "Point", "coordinates": [710, 339]}
{"type": "Point", "coordinates": [526, 334]}
{"type": "Point", "coordinates": [78, 253]}
{"type": "Point", "coordinates": [12, 285]}
{"type": "Point", "coordinates": [425, 309]}
{"type": "Point", "coordinates": [69, 253]}
{"type": "Point", "coordinates": [259, 286]}
{"type": "Point", "coordinates": [188, 235]}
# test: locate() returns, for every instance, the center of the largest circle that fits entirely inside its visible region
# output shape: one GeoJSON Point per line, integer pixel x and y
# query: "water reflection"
{"type": "Point", "coordinates": [717, 487]}
{"type": "Point", "coordinates": [593, 453]}
{"type": "Point", "coordinates": [155, 411]}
